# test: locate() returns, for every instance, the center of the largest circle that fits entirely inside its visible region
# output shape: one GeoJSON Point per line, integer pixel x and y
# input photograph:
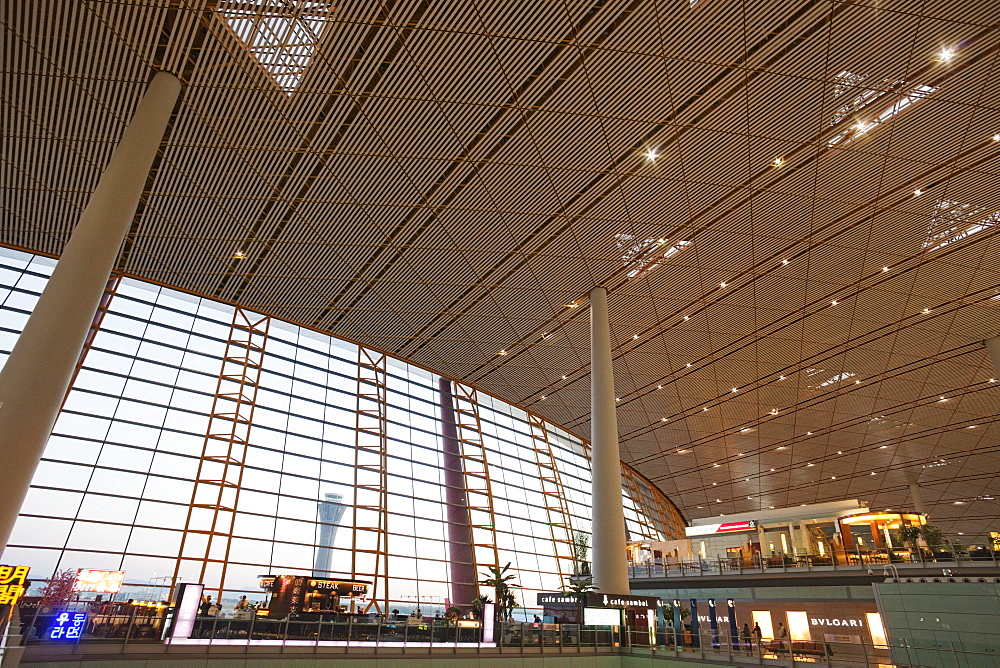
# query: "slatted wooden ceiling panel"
{"type": "Point", "coordinates": [448, 176]}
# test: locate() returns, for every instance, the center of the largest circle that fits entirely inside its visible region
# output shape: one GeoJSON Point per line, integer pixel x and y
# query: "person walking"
{"type": "Point", "coordinates": [782, 638]}
{"type": "Point", "coordinates": [757, 634]}
{"type": "Point", "coordinates": [746, 637]}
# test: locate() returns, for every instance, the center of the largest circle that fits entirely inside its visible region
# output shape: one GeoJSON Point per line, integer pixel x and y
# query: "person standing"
{"type": "Point", "coordinates": [757, 634]}
{"type": "Point", "coordinates": [746, 637]}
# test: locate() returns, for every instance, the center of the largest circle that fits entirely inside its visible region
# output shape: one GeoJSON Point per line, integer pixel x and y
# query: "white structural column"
{"type": "Point", "coordinates": [36, 376]}
{"type": "Point", "coordinates": [917, 498]}
{"type": "Point", "coordinates": [993, 346]}
{"type": "Point", "coordinates": [610, 567]}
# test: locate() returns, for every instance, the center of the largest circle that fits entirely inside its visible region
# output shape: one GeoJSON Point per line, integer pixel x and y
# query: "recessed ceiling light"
{"type": "Point", "coordinates": [543, 397]}
{"type": "Point", "coordinates": [996, 137]}
{"type": "Point", "coordinates": [502, 352]}
{"type": "Point", "coordinates": [714, 484]}
{"type": "Point", "coordinates": [651, 154]}
{"type": "Point", "coordinates": [722, 285]}
{"type": "Point", "coordinates": [735, 390]}
{"type": "Point", "coordinates": [927, 310]}
{"type": "Point", "coordinates": [780, 447]}
{"type": "Point", "coordinates": [809, 433]}
{"type": "Point", "coordinates": [770, 506]}
{"type": "Point", "coordinates": [715, 465]}
{"type": "Point", "coordinates": [885, 268]}
{"type": "Point", "coordinates": [971, 426]}
{"type": "Point", "coordinates": [833, 303]}
{"type": "Point", "coordinates": [772, 470]}
{"type": "Point", "coordinates": [239, 255]}
{"type": "Point", "coordinates": [618, 398]}
{"type": "Point", "coordinates": [704, 408]}
{"type": "Point", "coordinates": [873, 472]}
{"type": "Point", "coordinates": [663, 419]}
{"type": "Point", "coordinates": [687, 317]}
{"type": "Point", "coordinates": [840, 452]}
{"type": "Point", "coordinates": [778, 162]}
{"type": "Point", "coordinates": [689, 363]}
{"type": "Point", "coordinates": [564, 377]}
{"type": "Point", "coordinates": [784, 262]}
{"type": "Point", "coordinates": [635, 336]}
{"type": "Point", "coordinates": [572, 305]}
{"type": "Point", "coordinates": [857, 382]}
{"type": "Point", "coordinates": [882, 447]}
{"type": "Point", "coordinates": [718, 500]}
{"type": "Point", "coordinates": [918, 192]}
{"type": "Point", "coordinates": [659, 387]}
{"type": "Point", "coordinates": [810, 464]}
{"type": "Point", "coordinates": [959, 503]}
{"type": "Point", "coordinates": [749, 497]}
{"type": "Point", "coordinates": [681, 452]}
{"type": "Point", "coordinates": [833, 477]}
{"type": "Point", "coordinates": [993, 380]}
{"type": "Point", "coordinates": [946, 55]}
{"type": "Point", "coordinates": [942, 399]}
{"type": "Point", "coordinates": [781, 377]}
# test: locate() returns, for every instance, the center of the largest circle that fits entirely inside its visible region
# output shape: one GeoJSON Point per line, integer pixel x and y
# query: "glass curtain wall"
{"type": "Point", "coordinates": [115, 487]}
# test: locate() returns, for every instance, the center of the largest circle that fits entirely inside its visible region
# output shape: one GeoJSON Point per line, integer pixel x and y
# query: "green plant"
{"type": "Point", "coordinates": [933, 535]}
{"type": "Point", "coordinates": [502, 583]}
{"type": "Point", "coordinates": [668, 611]}
{"type": "Point", "coordinates": [581, 546]}
{"type": "Point", "coordinates": [908, 535]}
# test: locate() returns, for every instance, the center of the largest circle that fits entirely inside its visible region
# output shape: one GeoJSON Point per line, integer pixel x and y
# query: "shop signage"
{"type": "Point", "coordinates": [68, 625]}
{"type": "Point", "coordinates": [557, 599]}
{"type": "Point", "coordinates": [102, 582]}
{"type": "Point", "coordinates": [597, 600]}
{"type": "Point", "coordinates": [12, 579]}
{"type": "Point", "coordinates": [727, 527]}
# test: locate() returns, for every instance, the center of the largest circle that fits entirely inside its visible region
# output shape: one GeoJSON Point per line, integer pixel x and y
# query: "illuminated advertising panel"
{"type": "Point", "coordinates": [101, 582]}
{"type": "Point", "coordinates": [726, 527]}
{"type": "Point", "coordinates": [602, 616]}
{"type": "Point", "coordinates": [188, 602]}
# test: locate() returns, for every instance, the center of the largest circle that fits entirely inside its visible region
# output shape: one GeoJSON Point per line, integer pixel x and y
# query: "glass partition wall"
{"type": "Point", "coordinates": [201, 442]}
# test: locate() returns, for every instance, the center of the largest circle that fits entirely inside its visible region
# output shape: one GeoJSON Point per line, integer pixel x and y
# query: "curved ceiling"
{"type": "Point", "coordinates": [794, 205]}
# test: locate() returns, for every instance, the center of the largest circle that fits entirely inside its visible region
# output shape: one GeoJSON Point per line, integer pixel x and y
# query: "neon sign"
{"type": "Point", "coordinates": [102, 582]}
{"type": "Point", "coordinates": [68, 626]}
{"type": "Point", "coordinates": [12, 579]}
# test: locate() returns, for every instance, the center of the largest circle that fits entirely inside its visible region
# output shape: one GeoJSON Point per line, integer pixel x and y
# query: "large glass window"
{"type": "Point", "coordinates": [114, 489]}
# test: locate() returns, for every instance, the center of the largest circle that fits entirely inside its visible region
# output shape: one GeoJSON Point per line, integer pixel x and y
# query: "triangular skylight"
{"type": "Point", "coordinates": [281, 34]}
{"type": "Point", "coordinates": [642, 256]}
{"type": "Point", "coordinates": [954, 221]}
{"type": "Point", "coordinates": [864, 106]}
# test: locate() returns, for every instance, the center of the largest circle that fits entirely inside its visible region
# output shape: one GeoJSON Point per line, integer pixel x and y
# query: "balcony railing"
{"type": "Point", "coordinates": [860, 559]}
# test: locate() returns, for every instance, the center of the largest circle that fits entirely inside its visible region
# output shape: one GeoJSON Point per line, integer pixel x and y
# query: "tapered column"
{"type": "Point", "coordinates": [993, 346]}
{"type": "Point", "coordinates": [608, 552]}
{"type": "Point", "coordinates": [36, 376]}
{"type": "Point", "coordinates": [461, 552]}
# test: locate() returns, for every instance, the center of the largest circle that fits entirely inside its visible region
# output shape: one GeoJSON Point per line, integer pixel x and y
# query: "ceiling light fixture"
{"type": "Point", "coordinates": [778, 162]}
{"type": "Point", "coordinates": [239, 255]}
{"type": "Point", "coordinates": [833, 303]}
{"type": "Point", "coordinates": [651, 154]}
{"type": "Point", "coordinates": [945, 55]}
{"type": "Point", "coordinates": [564, 377]}
{"type": "Point", "coordinates": [689, 363]}
{"type": "Point", "coordinates": [885, 268]}
{"type": "Point", "coordinates": [687, 318]}
{"type": "Point", "coordinates": [927, 310]}
{"type": "Point", "coordinates": [543, 397]}
{"type": "Point", "coordinates": [996, 137]}
{"type": "Point", "coordinates": [784, 262]}
{"type": "Point", "coordinates": [502, 352]}
{"type": "Point", "coordinates": [659, 387]}
{"type": "Point", "coordinates": [918, 192]}
{"type": "Point", "coordinates": [722, 285]}
{"type": "Point", "coordinates": [735, 390]}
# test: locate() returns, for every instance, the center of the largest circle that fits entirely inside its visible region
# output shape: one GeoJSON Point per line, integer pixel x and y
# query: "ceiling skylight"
{"type": "Point", "coordinates": [281, 34]}
{"type": "Point", "coordinates": [642, 256]}
{"type": "Point", "coordinates": [864, 107]}
{"type": "Point", "coordinates": [954, 221]}
{"type": "Point", "coordinates": [840, 377]}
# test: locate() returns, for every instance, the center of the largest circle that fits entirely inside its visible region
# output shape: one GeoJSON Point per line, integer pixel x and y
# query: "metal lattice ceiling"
{"type": "Point", "coordinates": [446, 180]}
